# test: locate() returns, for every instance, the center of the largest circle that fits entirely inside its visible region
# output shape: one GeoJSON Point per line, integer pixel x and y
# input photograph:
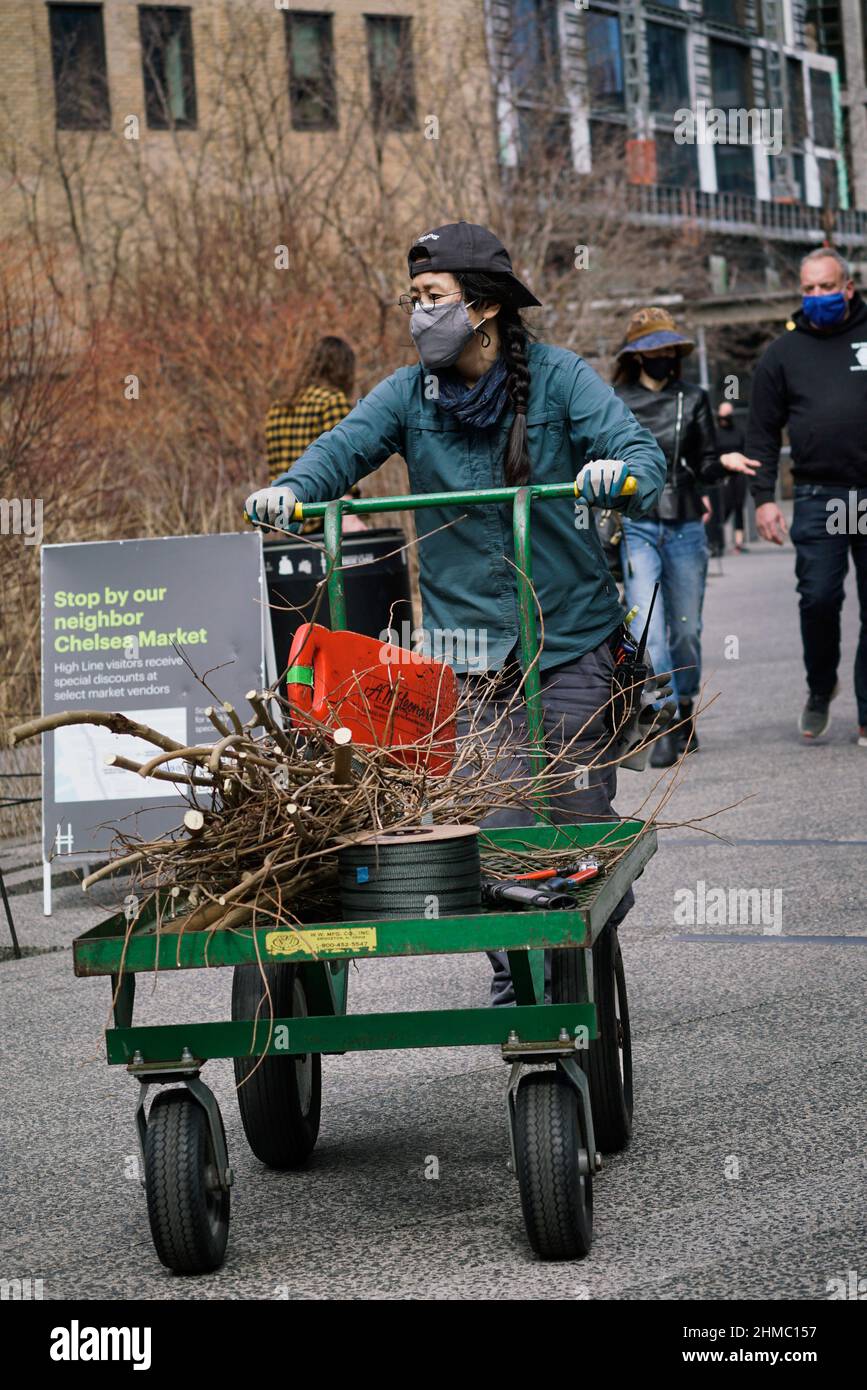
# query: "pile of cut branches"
{"type": "Point", "coordinates": [267, 802]}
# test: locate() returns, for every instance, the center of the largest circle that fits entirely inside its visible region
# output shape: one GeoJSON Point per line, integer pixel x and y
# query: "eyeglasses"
{"type": "Point", "coordinates": [408, 304]}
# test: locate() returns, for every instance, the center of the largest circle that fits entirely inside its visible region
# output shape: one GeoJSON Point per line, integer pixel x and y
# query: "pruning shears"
{"type": "Point", "coordinates": [563, 879]}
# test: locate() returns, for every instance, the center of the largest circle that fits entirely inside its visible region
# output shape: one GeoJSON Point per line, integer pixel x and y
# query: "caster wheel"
{"type": "Point", "coordinates": [553, 1166]}
{"type": "Point", "coordinates": [608, 1060]}
{"type": "Point", "coordinates": [281, 1097]}
{"type": "Point", "coordinates": [188, 1209]}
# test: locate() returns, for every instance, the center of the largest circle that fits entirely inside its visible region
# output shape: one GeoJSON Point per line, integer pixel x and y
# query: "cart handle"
{"type": "Point", "coordinates": [485, 496]}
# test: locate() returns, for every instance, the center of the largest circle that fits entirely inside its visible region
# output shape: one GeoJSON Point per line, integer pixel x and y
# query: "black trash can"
{"type": "Point", "coordinates": [375, 582]}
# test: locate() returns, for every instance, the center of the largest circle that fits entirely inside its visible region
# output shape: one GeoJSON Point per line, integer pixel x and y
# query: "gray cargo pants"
{"type": "Point", "coordinates": [572, 695]}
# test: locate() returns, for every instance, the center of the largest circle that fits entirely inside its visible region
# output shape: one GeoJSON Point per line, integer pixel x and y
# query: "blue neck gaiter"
{"type": "Point", "coordinates": [824, 310]}
{"type": "Point", "coordinates": [481, 405]}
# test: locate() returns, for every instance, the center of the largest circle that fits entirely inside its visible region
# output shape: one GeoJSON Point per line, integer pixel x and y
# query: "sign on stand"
{"type": "Point", "coordinates": [129, 627]}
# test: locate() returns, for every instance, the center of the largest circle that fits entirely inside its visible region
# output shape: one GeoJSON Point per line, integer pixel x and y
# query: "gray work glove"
{"type": "Point", "coordinates": [272, 506]}
{"type": "Point", "coordinates": [601, 480]}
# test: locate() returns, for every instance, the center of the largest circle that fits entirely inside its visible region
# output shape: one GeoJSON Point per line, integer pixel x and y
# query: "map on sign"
{"type": "Point", "coordinates": [80, 752]}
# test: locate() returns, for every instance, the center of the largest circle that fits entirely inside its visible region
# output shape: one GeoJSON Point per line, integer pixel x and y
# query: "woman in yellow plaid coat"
{"type": "Point", "coordinates": [320, 402]}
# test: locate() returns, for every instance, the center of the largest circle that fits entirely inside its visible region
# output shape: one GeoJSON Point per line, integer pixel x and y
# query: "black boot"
{"type": "Point", "coordinates": [686, 736]}
{"type": "Point", "coordinates": [664, 752]}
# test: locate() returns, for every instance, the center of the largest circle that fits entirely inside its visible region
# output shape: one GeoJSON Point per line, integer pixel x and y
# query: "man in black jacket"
{"type": "Point", "coordinates": [813, 380]}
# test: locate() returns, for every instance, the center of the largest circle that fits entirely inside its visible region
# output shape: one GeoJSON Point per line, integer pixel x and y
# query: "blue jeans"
{"type": "Point", "coordinates": [822, 543]}
{"type": "Point", "coordinates": [675, 554]}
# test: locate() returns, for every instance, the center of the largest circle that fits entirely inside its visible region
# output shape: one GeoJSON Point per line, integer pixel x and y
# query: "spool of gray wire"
{"type": "Point", "coordinates": [420, 871]}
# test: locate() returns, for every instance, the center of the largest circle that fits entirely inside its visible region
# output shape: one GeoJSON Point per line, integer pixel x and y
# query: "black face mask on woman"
{"type": "Point", "coordinates": [660, 368]}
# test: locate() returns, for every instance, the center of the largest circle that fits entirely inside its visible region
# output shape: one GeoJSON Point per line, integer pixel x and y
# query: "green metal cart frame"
{"type": "Point", "coordinates": [550, 1046]}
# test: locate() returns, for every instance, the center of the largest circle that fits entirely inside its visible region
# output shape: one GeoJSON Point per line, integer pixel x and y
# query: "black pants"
{"type": "Point", "coordinates": [572, 695]}
{"type": "Point", "coordinates": [735, 499]}
{"type": "Point", "coordinates": [824, 536]}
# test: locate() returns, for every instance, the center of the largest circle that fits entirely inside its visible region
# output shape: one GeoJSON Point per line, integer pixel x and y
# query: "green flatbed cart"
{"type": "Point", "coordinates": [569, 1093]}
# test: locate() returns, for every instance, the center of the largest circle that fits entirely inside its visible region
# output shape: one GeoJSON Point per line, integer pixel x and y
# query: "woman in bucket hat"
{"type": "Point", "coordinates": [668, 544]}
{"type": "Point", "coordinates": [487, 406]}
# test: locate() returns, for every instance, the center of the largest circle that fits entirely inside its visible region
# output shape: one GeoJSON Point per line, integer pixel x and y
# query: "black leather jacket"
{"type": "Point", "coordinates": [680, 419]}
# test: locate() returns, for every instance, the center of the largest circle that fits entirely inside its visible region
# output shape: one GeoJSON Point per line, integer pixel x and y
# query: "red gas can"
{"type": "Point", "coordinates": [388, 696]}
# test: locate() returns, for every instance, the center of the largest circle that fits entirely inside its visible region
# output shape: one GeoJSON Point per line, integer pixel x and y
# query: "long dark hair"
{"type": "Point", "coordinates": [330, 363]}
{"type": "Point", "coordinates": [627, 369]}
{"type": "Point", "coordinates": [515, 338]}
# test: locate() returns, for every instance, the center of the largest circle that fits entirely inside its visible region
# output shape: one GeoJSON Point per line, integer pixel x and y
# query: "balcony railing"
{"type": "Point", "coordinates": [744, 215]}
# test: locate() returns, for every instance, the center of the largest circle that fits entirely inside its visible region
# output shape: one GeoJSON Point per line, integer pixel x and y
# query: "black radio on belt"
{"type": "Point", "coordinates": [634, 717]}
{"type": "Point", "coordinates": [630, 671]}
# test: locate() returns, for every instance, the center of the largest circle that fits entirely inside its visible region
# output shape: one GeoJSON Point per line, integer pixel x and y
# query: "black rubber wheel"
{"type": "Point", "coordinates": [556, 1197]}
{"type": "Point", "coordinates": [280, 1101]}
{"type": "Point", "coordinates": [188, 1210]}
{"type": "Point", "coordinates": [608, 1060]}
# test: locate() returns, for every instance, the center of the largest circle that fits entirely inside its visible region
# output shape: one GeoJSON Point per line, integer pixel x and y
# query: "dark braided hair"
{"type": "Point", "coordinates": [514, 340]}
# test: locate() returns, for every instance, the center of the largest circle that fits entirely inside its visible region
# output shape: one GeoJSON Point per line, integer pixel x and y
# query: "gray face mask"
{"type": "Point", "coordinates": [441, 333]}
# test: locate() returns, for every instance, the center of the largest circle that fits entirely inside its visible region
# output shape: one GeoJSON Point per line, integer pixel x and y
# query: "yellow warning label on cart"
{"type": "Point", "coordinates": [287, 943]}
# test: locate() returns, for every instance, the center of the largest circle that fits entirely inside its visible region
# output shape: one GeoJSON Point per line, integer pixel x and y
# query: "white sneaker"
{"type": "Point", "coordinates": [862, 738]}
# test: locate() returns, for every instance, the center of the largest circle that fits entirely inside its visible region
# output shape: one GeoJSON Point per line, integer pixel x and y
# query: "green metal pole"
{"type": "Point", "coordinates": [529, 639]}
{"type": "Point", "coordinates": [333, 547]}
{"type": "Point", "coordinates": [403, 503]}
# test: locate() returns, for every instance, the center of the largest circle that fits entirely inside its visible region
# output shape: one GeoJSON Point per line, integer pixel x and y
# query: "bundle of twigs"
{"type": "Point", "coordinates": [267, 803]}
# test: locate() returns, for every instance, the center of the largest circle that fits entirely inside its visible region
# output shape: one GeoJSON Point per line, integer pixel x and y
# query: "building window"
{"type": "Point", "coordinates": [730, 75]}
{"type": "Point", "coordinates": [544, 135]}
{"type": "Point", "coordinates": [604, 61]}
{"type": "Point", "coordinates": [731, 12]}
{"type": "Point", "coordinates": [544, 123]}
{"type": "Point", "coordinates": [676, 165]}
{"type": "Point", "coordinates": [167, 66]}
{"type": "Point", "coordinates": [668, 76]}
{"type": "Point", "coordinates": [797, 106]}
{"type": "Point", "coordinates": [312, 91]}
{"type": "Point", "coordinates": [535, 46]}
{"type": "Point", "coordinates": [734, 169]}
{"type": "Point", "coordinates": [822, 92]}
{"type": "Point", "coordinates": [778, 169]}
{"type": "Point", "coordinates": [607, 145]}
{"type": "Point", "coordinates": [80, 72]}
{"type": "Point", "coordinates": [846, 132]}
{"type": "Point", "coordinates": [389, 61]}
{"type": "Point", "coordinates": [828, 186]}
{"type": "Point", "coordinates": [826, 23]}
{"type": "Point", "coordinates": [800, 177]}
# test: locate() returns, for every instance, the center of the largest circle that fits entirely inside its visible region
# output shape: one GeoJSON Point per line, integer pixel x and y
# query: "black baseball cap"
{"type": "Point", "coordinates": [466, 246]}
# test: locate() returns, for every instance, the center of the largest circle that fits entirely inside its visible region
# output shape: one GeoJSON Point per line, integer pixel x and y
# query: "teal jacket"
{"type": "Point", "coordinates": [466, 582]}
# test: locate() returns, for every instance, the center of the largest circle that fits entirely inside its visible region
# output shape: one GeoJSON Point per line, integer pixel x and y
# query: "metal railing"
{"type": "Point", "coordinates": [744, 214]}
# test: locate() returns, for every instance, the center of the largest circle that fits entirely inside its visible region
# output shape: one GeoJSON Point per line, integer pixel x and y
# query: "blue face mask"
{"type": "Point", "coordinates": [823, 310]}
